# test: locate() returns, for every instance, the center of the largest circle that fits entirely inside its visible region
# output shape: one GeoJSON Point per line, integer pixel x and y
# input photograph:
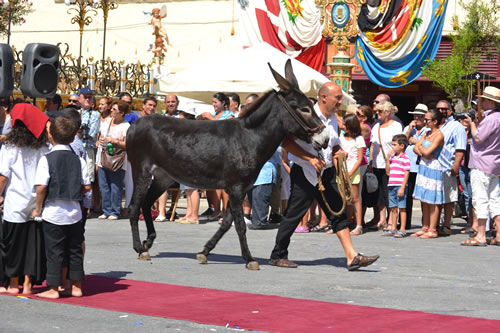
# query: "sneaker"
{"type": "Point", "coordinates": [208, 212]}
{"type": "Point", "coordinates": [275, 218]}
{"type": "Point", "coordinates": [247, 220]}
{"type": "Point", "coordinates": [262, 226]}
{"type": "Point", "coordinates": [444, 231]}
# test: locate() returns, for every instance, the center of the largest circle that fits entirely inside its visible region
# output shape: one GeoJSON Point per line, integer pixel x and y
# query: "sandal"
{"type": "Point", "coordinates": [444, 231]}
{"type": "Point", "coordinates": [429, 234]}
{"type": "Point", "coordinates": [318, 228]}
{"type": "Point", "coordinates": [389, 232]}
{"type": "Point", "coordinates": [473, 242]}
{"type": "Point", "coordinates": [382, 225]}
{"type": "Point", "coordinates": [302, 229]}
{"type": "Point", "coordinates": [401, 234]}
{"type": "Point", "coordinates": [495, 242]}
{"type": "Point", "coordinates": [468, 230]}
{"type": "Point", "coordinates": [160, 218]}
{"type": "Point", "coordinates": [420, 232]}
{"type": "Point", "coordinates": [188, 221]}
{"type": "Point", "coordinates": [357, 231]}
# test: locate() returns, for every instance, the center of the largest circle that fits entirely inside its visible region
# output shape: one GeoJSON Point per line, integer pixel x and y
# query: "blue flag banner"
{"type": "Point", "coordinates": [394, 42]}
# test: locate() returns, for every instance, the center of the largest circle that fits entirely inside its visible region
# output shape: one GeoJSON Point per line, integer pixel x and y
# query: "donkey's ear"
{"type": "Point", "coordinates": [282, 82]}
{"type": "Point", "coordinates": [289, 74]}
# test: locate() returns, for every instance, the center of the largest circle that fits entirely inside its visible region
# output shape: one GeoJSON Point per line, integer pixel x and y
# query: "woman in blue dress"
{"type": "Point", "coordinates": [429, 183]}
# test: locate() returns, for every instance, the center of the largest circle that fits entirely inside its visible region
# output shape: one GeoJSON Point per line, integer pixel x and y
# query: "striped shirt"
{"type": "Point", "coordinates": [397, 169]}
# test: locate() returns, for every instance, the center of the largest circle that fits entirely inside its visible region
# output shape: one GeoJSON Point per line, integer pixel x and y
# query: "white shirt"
{"type": "Point", "coordinates": [60, 212]}
{"type": "Point", "coordinates": [332, 128]}
{"type": "Point", "coordinates": [386, 135]}
{"type": "Point", "coordinates": [19, 166]}
{"type": "Point", "coordinates": [117, 132]}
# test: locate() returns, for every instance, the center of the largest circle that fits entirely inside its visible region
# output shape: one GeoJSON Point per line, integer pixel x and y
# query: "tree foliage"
{"type": "Point", "coordinates": [20, 9]}
{"type": "Point", "coordinates": [475, 34]}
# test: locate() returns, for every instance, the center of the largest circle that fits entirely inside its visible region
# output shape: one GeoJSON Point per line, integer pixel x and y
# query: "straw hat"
{"type": "Point", "coordinates": [420, 109]}
{"type": "Point", "coordinates": [491, 93]}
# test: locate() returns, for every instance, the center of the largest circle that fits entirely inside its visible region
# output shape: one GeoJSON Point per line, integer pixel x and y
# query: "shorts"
{"type": "Point", "coordinates": [356, 178]}
{"type": "Point", "coordinates": [485, 194]}
{"type": "Point", "coordinates": [394, 200]}
{"type": "Point", "coordinates": [450, 187]}
{"type": "Point", "coordinates": [90, 159]}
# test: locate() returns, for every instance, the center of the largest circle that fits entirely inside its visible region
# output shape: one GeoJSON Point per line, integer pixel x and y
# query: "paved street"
{"type": "Point", "coordinates": [436, 275]}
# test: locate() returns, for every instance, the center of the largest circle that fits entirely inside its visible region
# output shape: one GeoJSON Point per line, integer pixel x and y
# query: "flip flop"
{"type": "Point", "coordinates": [473, 242]}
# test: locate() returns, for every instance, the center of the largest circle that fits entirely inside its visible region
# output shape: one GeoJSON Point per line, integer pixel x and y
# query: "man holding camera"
{"type": "Point", "coordinates": [455, 143]}
{"type": "Point", "coordinates": [485, 166]}
{"type": "Point", "coordinates": [89, 128]}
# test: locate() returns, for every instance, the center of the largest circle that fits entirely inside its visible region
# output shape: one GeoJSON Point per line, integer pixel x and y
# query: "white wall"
{"type": "Point", "coordinates": [191, 26]}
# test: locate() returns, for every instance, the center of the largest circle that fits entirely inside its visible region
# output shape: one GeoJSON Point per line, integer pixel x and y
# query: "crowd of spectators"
{"type": "Point", "coordinates": [437, 158]}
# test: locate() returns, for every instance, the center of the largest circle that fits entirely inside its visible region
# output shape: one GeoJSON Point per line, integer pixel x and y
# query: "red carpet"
{"type": "Point", "coordinates": [261, 312]}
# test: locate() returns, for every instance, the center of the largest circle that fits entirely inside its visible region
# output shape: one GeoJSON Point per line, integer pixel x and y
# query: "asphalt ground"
{"type": "Point", "coordinates": [430, 275]}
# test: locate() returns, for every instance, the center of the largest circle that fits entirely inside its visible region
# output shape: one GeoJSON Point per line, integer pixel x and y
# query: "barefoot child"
{"type": "Point", "coordinates": [21, 239]}
{"type": "Point", "coordinates": [398, 170]}
{"type": "Point", "coordinates": [61, 178]}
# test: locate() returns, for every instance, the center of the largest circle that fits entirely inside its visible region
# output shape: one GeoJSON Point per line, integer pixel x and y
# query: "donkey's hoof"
{"type": "Point", "coordinates": [145, 256]}
{"type": "Point", "coordinates": [202, 259]}
{"type": "Point", "coordinates": [253, 266]}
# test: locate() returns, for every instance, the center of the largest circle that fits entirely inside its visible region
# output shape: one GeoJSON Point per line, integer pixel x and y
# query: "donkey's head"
{"type": "Point", "coordinates": [302, 121]}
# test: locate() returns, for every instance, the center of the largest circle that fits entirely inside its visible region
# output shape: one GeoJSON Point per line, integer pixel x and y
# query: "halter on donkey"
{"type": "Point", "coordinates": [226, 154]}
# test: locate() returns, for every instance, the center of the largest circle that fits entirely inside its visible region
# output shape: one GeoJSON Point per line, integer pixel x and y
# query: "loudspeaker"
{"type": "Point", "coordinates": [40, 70]}
{"type": "Point", "coordinates": [6, 70]}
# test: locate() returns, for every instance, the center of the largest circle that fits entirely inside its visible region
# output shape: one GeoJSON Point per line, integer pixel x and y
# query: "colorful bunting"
{"type": "Point", "coordinates": [397, 37]}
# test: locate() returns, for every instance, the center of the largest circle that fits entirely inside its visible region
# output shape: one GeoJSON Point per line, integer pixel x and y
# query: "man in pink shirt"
{"type": "Point", "coordinates": [485, 166]}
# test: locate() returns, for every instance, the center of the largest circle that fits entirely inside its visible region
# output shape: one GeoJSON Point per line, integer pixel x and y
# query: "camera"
{"type": "Point", "coordinates": [85, 132]}
{"type": "Point", "coordinates": [461, 115]}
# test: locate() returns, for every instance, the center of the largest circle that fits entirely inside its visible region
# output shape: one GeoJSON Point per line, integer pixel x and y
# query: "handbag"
{"type": "Point", "coordinates": [371, 182]}
{"type": "Point", "coordinates": [113, 162]}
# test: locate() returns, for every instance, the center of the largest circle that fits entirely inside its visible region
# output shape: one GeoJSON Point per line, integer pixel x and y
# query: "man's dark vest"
{"type": "Point", "coordinates": [65, 176]}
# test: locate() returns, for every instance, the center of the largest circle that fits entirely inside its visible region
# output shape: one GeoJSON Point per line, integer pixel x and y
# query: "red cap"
{"type": "Point", "coordinates": [31, 116]}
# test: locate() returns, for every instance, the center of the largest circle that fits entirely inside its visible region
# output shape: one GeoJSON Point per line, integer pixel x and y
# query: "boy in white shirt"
{"type": "Point", "coordinates": [61, 179]}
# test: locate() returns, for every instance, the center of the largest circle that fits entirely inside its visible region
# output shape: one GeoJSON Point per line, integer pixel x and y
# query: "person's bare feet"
{"type": "Point", "coordinates": [75, 290]}
{"type": "Point", "coordinates": [28, 290]}
{"type": "Point", "coordinates": [51, 294]}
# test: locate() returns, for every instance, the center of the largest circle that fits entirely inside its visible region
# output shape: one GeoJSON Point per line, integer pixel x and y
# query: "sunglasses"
{"type": "Point", "coordinates": [440, 109]}
{"type": "Point", "coordinates": [359, 114]}
{"type": "Point", "coordinates": [380, 111]}
{"type": "Point", "coordinates": [73, 100]}
{"type": "Point", "coordinates": [426, 120]}
{"type": "Point", "coordinates": [376, 102]}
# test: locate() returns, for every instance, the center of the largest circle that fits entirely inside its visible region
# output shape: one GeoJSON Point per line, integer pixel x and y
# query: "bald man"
{"type": "Point", "coordinates": [171, 104]}
{"type": "Point", "coordinates": [304, 180]}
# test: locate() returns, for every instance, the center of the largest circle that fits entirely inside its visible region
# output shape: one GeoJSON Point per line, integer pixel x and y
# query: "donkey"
{"type": "Point", "coordinates": [226, 154]}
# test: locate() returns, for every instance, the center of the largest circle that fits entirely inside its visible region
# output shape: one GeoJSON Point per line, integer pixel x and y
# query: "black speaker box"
{"type": "Point", "coordinates": [6, 71]}
{"type": "Point", "coordinates": [40, 70]}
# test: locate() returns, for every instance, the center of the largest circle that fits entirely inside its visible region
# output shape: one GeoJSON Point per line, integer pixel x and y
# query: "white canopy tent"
{"type": "Point", "coordinates": [243, 72]}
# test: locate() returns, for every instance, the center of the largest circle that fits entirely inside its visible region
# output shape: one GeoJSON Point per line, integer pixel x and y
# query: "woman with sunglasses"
{"type": "Point", "coordinates": [380, 147]}
{"type": "Point", "coordinates": [429, 183]}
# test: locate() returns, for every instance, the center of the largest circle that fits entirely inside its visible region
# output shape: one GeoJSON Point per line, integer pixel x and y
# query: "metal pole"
{"type": "Point", "coordinates": [11, 7]}
{"type": "Point", "coordinates": [104, 41]}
